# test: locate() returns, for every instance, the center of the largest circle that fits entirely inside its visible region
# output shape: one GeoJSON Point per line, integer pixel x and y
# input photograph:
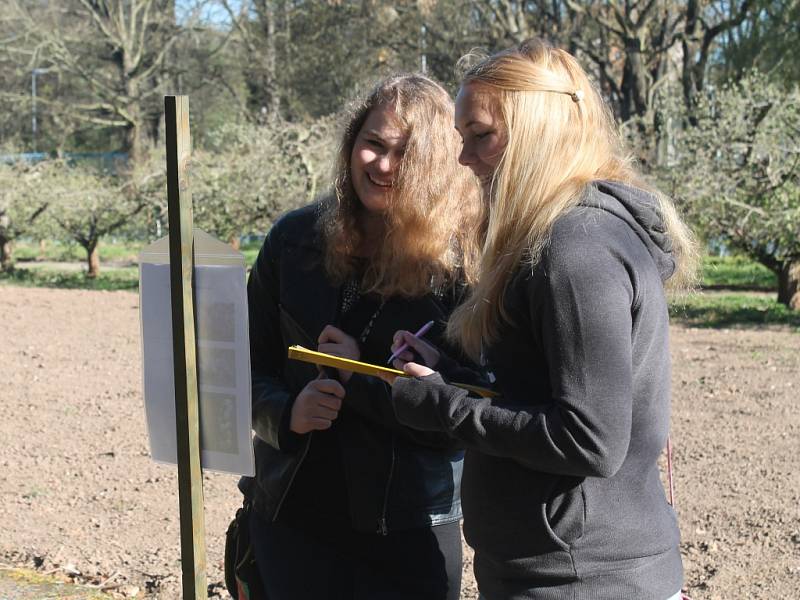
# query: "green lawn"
{"type": "Point", "coordinates": [736, 272]}
{"type": "Point", "coordinates": [116, 251]}
{"type": "Point", "coordinates": [56, 251]}
{"type": "Point", "coordinates": [718, 309]}
{"type": "Point", "coordinates": [109, 279]}
{"type": "Point", "coordinates": [722, 301]}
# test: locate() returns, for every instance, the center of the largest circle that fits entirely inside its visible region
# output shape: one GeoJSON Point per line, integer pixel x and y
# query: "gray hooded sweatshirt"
{"type": "Point", "coordinates": [561, 491]}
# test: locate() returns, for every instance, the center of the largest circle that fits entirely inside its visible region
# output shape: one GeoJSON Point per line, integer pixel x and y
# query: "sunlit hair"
{"type": "Point", "coordinates": [561, 137]}
{"type": "Point", "coordinates": [433, 221]}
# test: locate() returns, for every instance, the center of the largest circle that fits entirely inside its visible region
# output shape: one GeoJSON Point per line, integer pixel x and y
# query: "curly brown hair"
{"type": "Point", "coordinates": [433, 222]}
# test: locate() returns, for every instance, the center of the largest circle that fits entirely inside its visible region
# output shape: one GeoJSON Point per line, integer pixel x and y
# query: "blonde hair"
{"type": "Point", "coordinates": [561, 137]}
{"type": "Point", "coordinates": [433, 221]}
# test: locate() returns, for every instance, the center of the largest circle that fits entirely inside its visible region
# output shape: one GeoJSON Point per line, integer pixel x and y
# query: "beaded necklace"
{"type": "Point", "coordinates": [351, 293]}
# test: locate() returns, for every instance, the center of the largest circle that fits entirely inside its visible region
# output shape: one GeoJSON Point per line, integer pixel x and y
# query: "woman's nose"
{"type": "Point", "coordinates": [385, 163]}
{"type": "Point", "coordinates": [466, 157]}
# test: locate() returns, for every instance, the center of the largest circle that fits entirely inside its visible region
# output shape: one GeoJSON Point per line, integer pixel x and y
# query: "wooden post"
{"type": "Point", "coordinates": [181, 265]}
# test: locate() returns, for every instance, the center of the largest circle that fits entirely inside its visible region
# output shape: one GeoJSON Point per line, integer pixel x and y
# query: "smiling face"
{"type": "Point", "coordinates": [376, 156]}
{"type": "Point", "coordinates": [483, 133]}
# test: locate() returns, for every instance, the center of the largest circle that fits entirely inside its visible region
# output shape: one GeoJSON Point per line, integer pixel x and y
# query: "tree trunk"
{"type": "Point", "coordinates": [634, 82]}
{"type": "Point", "coordinates": [789, 284]}
{"type": "Point", "coordinates": [93, 256]}
{"type": "Point", "coordinates": [134, 129]}
{"type": "Point", "coordinates": [134, 140]}
{"type": "Point", "coordinates": [5, 254]}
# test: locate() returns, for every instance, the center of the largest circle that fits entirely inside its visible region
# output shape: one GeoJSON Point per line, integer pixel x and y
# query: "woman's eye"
{"type": "Point", "coordinates": [480, 136]}
{"type": "Point", "coordinates": [375, 143]}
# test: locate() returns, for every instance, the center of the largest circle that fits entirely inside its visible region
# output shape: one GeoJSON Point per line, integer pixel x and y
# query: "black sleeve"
{"type": "Point", "coordinates": [272, 400]}
{"type": "Point", "coordinates": [371, 398]}
{"type": "Point", "coordinates": [583, 307]}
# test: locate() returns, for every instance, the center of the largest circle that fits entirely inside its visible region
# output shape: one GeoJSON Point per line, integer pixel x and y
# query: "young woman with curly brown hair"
{"type": "Point", "coordinates": [348, 502]}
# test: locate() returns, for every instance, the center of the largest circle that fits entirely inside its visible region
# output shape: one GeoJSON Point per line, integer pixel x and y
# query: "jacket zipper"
{"type": "Point", "coordinates": [382, 528]}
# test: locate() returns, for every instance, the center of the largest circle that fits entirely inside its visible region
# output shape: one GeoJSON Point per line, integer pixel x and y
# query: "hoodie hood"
{"type": "Point", "coordinates": [640, 210]}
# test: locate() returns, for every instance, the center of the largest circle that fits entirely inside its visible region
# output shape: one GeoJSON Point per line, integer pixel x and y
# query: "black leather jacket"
{"type": "Point", "coordinates": [396, 477]}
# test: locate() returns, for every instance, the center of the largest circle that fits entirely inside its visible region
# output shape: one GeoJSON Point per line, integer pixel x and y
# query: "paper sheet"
{"type": "Point", "coordinates": [223, 357]}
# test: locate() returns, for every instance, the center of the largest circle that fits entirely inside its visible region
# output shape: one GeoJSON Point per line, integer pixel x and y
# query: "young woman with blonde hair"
{"type": "Point", "coordinates": [561, 490]}
{"type": "Point", "coordinates": [347, 502]}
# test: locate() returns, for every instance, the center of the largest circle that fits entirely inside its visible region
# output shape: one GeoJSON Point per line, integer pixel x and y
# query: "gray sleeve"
{"type": "Point", "coordinates": [579, 300]}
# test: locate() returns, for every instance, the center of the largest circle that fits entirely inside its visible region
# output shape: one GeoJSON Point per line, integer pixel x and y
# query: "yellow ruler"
{"type": "Point", "coordinates": [355, 366]}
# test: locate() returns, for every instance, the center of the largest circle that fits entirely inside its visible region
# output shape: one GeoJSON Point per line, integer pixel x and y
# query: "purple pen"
{"type": "Point", "coordinates": [422, 331]}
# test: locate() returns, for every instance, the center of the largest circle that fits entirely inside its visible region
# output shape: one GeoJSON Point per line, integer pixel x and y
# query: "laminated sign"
{"type": "Point", "coordinates": [223, 354]}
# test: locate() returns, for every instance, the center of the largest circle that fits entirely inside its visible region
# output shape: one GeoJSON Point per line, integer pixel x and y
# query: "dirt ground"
{"type": "Point", "coordinates": [81, 496]}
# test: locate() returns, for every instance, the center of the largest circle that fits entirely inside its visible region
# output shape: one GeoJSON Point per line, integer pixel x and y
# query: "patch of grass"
{"type": "Point", "coordinates": [120, 251]}
{"type": "Point", "coordinates": [726, 310]}
{"type": "Point", "coordinates": [53, 251]}
{"type": "Point", "coordinates": [109, 279]}
{"type": "Point", "coordinates": [736, 272]}
{"type": "Point", "coordinates": [712, 309]}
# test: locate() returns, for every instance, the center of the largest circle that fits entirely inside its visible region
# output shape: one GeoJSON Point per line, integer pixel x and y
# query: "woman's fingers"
{"type": "Point", "coordinates": [332, 334]}
{"type": "Point", "coordinates": [338, 350]}
{"type": "Point", "coordinates": [405, 356]}
{"type": "Point", "coordinates": [336, 342]}
{"type": "Point", "coordinates": [328, 386]}
{"type": "Point", "coordinates": [417, 348]}
{"type": "Point", "coordinates": [413, 369]}
{"type": "Point", "coordinates": [416, 370]}
{"type": "Point", "coordinates": [320, 424]}
{"type": "Point", "coordinates": [316, 406]}
{"type": "Point", "coordinates": [397, 339]}
{"type": "Point", "coordinates": [323, 412]}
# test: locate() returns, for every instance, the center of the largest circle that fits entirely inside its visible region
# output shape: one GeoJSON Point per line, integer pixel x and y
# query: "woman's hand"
{"type": "Point", "coordinates": [412, 369]}
{"type": "Point", "coordinates": [429, 354]}
{"type": "Point", "coordinates": [416, 348]}
{"type": "Point", "coordinates": [334, 341]}
{"type": "Point", "coordinates": [316, 406]}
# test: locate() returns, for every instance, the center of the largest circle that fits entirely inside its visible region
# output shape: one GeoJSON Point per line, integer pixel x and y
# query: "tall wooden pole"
{"type": "Point", "coordinates": [181, 264]}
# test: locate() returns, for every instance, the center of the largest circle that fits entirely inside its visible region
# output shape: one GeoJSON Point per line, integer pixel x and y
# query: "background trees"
{"type": "Point", "coordinates": [266, 78]}
{"type": "Point", "coordinates": [85, 207]}
{"type": "Point", "coordinates": [737, 174]}
{"type": "Point", "coordinates": [19, 209]}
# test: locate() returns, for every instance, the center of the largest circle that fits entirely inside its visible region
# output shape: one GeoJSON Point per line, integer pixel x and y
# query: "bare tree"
{"type": "Point", "coordinates": [629, 42]}
{"type": "Point", "coordinates": [255, 24]}
{"type": "Point", "coordinates": [115, 49]}
{"type": "Point", "coordinates": [704, 22]}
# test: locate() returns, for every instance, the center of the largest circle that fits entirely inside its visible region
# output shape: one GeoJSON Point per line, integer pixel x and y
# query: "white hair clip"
{"type": "Point", "coordinates": [577, 95]}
